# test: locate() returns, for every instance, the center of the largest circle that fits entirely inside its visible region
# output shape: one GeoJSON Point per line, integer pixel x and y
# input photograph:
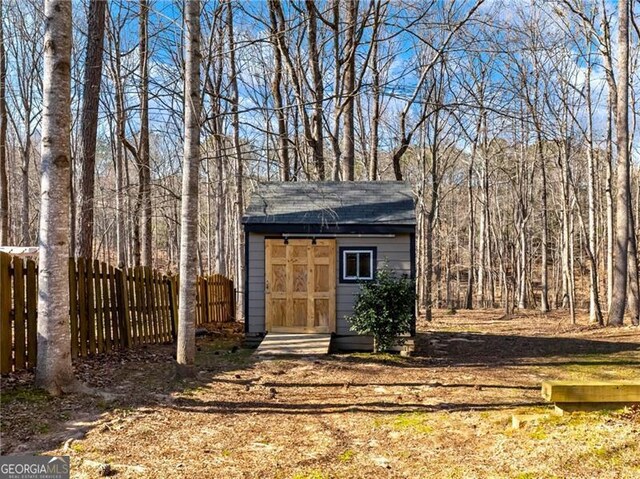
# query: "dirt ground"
{"type": "Point", "coordinates": [444, 413]}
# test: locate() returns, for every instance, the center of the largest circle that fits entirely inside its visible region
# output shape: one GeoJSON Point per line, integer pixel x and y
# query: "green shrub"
{"type": "Point", "coordinates": [384, 308]}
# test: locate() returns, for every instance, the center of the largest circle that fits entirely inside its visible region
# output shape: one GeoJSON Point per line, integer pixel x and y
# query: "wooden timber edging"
{"type": "Point", "coordinates": [109, 308]}
{"type": "Point", "coordinates": [585, 396]}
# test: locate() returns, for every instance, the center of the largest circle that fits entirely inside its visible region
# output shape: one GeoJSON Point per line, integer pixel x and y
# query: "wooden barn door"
{"type": "Point", "coordinates": [300, 286]}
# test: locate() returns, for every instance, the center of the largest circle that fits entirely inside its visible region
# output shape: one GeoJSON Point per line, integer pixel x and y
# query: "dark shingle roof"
{"type": "Point", "coordinates": [332, 202]}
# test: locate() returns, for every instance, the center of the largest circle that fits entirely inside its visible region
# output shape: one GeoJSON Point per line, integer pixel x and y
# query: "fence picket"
{"type": "Point", "coordinates": [140, 300]}
{"type": "Point", "coordinates": [173, 300]}
{"type": "Point", "coordinates": [106, 317]}
{"type": "Point", "coordinates": [157, 283]}
{"type": "Point", "coordinates": [73, 307]}
{"type": "Point", "coordinates": [166, 306]}
{"type": "Point", "coordinates": [108, 308]}
{"type": "Point", "coordinates": [152, 306]}
{"type": "Point", "coordinates": [19, 337]}
{"type": "Point", "coordinates": [83, 321]}
{"type": "Point", "coordinates": [132, 306]}
{"type": "Point", "coordinates": [5, 313]}
{"type": "Point", "coordinates": [116, 317]}
{"type": "Point", "coordinates": [97, 291]}
{"type": "Point", "coordinates": [142, 287]}
{"type": "Point", "coordinates": [124, 329]}
{"type": "Point", "coordinates": [32, 309]}
{"type": "Point", "coordinates": [91, 321]}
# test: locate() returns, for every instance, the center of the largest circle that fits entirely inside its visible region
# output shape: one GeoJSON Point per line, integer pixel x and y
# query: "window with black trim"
{"type": "Point", "coordinates": [357, 264]}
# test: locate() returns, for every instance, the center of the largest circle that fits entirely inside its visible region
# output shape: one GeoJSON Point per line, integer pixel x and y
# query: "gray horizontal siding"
{"type": "Point", "coordinates": [255, 270]}
{"type": "Point", "coordinates": [396, 251]}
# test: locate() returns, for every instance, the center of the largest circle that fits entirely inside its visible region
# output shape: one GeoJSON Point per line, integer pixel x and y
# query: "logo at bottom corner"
{"type": "Point", "coordinates": [35, 467]}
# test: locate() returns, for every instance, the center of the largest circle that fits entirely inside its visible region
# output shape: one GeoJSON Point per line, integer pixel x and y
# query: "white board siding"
{"type": "Point", "coordinates": [396, 251]}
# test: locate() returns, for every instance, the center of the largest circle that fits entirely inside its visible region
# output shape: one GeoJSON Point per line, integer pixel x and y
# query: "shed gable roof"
{"type": "Point", "coordinates": [332, 203]}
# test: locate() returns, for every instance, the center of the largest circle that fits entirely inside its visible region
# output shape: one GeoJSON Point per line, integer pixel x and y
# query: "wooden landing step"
{"type": "Point", "coordinates": [303, 344]}
{"type": "Point", "coordinates": [589, 396]}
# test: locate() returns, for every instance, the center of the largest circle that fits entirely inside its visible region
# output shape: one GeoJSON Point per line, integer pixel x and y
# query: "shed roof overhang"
{"type": "Point", "coordinates": [311, 229]}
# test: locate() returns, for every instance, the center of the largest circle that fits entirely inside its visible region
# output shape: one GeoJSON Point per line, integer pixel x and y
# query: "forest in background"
{"type": "Point", "coordinates": [502, 116]}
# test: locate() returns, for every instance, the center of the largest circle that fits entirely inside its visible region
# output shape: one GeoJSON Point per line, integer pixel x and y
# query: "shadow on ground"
{"type": "Point", "coordinates": [143, 379]}
{"type": "Point", "coordinates": [461, 348]}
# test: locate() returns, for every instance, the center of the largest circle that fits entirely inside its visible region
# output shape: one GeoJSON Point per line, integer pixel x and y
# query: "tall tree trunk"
{"type": "Point", "coordinates": [337, 88]}
{"type": "Point", "coordinates": [121, 234]}
{"type": "Point", "coordinates": [375, 115]}
{"type": "Point", "coordinates": [283, 139]}
{"type": "Point", "coordinates": [275, 8]}
{"type": "Point", "coordinates": [89, 128]}
{"type": "Point", "coordinates": [595, 314]}
{"type": "Point", "coordinates": [54, 371]}
{"type": "Point", "coordinates": [544, 260]}
{"type": "Point", "coordinates": [618, 303]}
{"type": "Point", "coordinates": [143, 151]}
{"type": "Point", "coordinates": [318, 91]}
{"type": "Point", "coordinates": [237, 147]}
{"type": "Point", "coordinates": [634, 292]}
{"type": "Point", "coordinates": [25, 220]}
{"type": "Point", "coordinates": [567, 259]}
{"type": "Point", "coordinates": [190, 172]}
{"type": "Point", "coordinates": [484, 269]}
{"type": "Point", "coordinates": [221, 250]}
{"type": "Point", "coordinates": [431, 219]}
{"type": "Point", "coordinates": [522, 265]}
{"type": "Point", "coordinates": [122, 199]}
{"type": "Point", "coordinates": [609, 197]}
{"type": "Point", "coordinates": [4, 183]}
{"type": "Point", "coordinates": [348, 132]}
{"type": "Point", "coordinates": [471, 246]}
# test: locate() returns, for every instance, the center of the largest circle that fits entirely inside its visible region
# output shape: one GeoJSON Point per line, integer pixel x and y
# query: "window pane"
{"type": "Point", "coordinates": [351, 265]}
{"type": "Point", "coordinates": [365, 265]}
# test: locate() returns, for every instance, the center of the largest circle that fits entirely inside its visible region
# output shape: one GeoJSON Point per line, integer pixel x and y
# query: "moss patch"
{"type": "Point", "coordinates": [24, 395]}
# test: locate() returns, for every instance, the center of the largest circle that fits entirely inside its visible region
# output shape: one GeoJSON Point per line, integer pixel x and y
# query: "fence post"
{"type": "Point", "coordinates": [232, 312]}
{"type": "Point", "coordinates": [32, 309]}
{"type": "Point", "coordinates": [123, 306]}
{"type": "Point", "coordinates": [73, 307]}
{"type": "Point", "coordinates": [206, 314]}
{"type": "Point", "coordinates": [173, 304]}
{"type": "Point", "coordinates": [5, 313]}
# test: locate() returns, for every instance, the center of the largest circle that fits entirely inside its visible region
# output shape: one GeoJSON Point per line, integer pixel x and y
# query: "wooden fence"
{"type": "Point", "coordinates": [215, 299]}
{"type": "Point", "coordinates": [109, 308]}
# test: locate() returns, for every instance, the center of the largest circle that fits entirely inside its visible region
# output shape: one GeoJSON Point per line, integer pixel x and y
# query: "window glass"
{"type": "Point", "coordinates": [364, 270]}
{"type": "Point", "coordinates": [357, 264]}
{"type": "Point", "coordinates": [351, 265]}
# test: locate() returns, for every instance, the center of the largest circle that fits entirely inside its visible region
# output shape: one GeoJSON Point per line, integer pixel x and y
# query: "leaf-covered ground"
{"type": "Point", "coordinates": [444, 413]}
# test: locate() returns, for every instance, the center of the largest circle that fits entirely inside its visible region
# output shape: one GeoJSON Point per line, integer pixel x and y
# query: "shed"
{"type": "Point", "coordinates": [309, 245]}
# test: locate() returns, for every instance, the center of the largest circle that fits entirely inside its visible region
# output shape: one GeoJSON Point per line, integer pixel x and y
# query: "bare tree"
{"type": "Point", "coordinates": [621, 246]}
{"type": "Point", "coordinates": [348, 132]}
{"type": "Point", "coordinates": [89, 128]}
{"type": "Point", "coordinates": [314, 144]}
{"type": "Point", "coordinates": [239, 200]}
{"type": "Point", "coordinates": [116, 73]}
{"type": "Point", "coordinates": [4, 183]}
{"type": "Point", "coordinates": [283, 137]}
{"type": "Point", "coordinates": [190, 173]}
{"type": "Point", "coordinates": [144, 166]}
{"type": "Point", "coordinates": [374, 139]}
{"type": "Point", "coordinates": [25, 55]}
{"type": "Point", "coordinates": [54, 371]}
{"type": "Point", "coordinates": [318, 89]}
{"type": "Point", "coordinates": [406, 131]}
